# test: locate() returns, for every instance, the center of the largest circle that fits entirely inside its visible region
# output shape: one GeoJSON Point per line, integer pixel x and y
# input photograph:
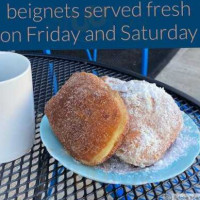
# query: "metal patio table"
{"type": "Point", "coordinates": [39, 176]}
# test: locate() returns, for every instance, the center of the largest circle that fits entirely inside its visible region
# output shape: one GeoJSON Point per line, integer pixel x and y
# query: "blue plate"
{"type": "Point", "coordinates": [136, 177]}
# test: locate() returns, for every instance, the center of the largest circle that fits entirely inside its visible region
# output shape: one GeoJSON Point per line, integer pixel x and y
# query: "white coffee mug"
{"type": "Point", "coordinates": [17, 120]}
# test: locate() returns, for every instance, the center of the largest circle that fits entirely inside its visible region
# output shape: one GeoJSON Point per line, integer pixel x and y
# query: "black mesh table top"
{"type": "Point", "coordinates": [39, 176]}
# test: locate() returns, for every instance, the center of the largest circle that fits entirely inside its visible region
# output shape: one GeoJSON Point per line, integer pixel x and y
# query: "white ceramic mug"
{"type": "Point", "coordinates": [17, 120]}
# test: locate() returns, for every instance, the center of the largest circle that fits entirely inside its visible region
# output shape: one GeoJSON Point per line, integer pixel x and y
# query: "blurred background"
{"type": "Point", "coordinates": [179, 68]}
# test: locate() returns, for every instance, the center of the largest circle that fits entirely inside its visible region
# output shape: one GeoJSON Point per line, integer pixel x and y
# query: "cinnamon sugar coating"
{"type": "Point", "coordinates": [89, 119]}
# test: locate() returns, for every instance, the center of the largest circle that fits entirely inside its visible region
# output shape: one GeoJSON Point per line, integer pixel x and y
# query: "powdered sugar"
{"type": "Point", "coordinates": [155, 121]}
{"type": "Point", "coordinates": [178, 150]}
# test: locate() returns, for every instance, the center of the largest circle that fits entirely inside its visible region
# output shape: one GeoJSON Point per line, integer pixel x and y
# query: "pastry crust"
{"type": "Point", "coordinates": [155, 121]}
{"type": "Point", "coordinates": [89, 119]}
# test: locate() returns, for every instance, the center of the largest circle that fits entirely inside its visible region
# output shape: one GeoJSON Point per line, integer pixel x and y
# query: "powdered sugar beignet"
{"type": "Point", "coordinates": [155, 121]}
